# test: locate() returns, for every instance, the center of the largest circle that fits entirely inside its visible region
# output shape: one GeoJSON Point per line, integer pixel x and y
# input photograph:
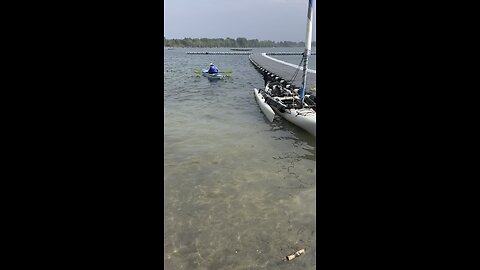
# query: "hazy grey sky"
{"type": "Point", "coordinates": [277, 20]}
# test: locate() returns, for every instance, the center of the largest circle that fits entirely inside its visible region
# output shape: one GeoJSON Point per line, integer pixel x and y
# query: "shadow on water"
{"type": "Point", "coordinates": [213, 80]}
{"type": "Point", "coordinates": [294, 132]}
{"type": "Point", "coordinates": [224, 79]}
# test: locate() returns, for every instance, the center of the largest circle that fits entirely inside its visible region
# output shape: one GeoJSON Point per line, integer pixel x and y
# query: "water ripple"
{"type": "Point", "coordinates": [239, 190]}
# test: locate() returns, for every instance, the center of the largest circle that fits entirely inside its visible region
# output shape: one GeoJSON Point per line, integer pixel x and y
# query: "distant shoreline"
{"type": "Point", "coordinates": [233, 48]}
{"type": "Point", "coordinates": [229, 43]}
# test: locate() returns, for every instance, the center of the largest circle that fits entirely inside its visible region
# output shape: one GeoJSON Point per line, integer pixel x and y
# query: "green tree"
{"type": "Point", "coordinates": [241, 42]}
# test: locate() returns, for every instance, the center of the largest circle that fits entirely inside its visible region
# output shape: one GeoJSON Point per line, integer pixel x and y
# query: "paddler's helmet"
{"type": "Point", "coordinates": [211, 64]}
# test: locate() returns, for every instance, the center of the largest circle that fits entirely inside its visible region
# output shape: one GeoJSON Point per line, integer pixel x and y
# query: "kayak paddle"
{"type": "Point", "coordinates": [226, 72]}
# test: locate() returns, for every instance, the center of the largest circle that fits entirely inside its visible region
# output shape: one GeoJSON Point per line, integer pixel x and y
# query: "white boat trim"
{"type": "Point", "coordinates": [266, 109]}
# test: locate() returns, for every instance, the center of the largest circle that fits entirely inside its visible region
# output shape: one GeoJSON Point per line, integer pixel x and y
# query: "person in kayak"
{"type": "Point", "coordinates": [212, 69]}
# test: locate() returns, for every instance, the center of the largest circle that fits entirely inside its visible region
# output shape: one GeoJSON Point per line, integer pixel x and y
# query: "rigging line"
{"type": "Point", "coordinates": [297, 70]}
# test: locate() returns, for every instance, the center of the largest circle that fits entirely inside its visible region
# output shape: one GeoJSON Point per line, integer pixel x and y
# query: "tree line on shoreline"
{"type": "Point", "coordinates": [230, 42]}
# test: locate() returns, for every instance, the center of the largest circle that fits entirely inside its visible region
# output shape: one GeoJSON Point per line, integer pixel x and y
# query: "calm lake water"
{"type": "Point", "coordinates": [239, 191]}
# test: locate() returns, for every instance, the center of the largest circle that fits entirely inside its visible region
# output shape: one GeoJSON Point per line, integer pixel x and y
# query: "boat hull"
{"type": "Point", "coordinates": [304, 118]}
{"type": "Point", "coordinates": [266, 109]}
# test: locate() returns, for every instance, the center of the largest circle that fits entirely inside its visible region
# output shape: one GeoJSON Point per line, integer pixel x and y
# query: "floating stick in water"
{"type": "Point", "coordinates": [295, 255]}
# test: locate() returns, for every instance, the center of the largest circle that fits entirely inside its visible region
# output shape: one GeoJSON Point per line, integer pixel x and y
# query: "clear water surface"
{"type": "Point", "coordinates": [239, 191]}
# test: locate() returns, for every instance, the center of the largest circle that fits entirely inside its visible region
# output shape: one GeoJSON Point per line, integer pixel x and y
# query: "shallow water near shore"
{"type": "Point", "coordinates": [239, 191]}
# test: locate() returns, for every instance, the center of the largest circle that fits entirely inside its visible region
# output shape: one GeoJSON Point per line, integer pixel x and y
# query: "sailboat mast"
{"type": "Point", "coordinates": [308, 47]}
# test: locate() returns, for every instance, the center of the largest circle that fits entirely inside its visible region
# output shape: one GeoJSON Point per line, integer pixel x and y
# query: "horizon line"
{"type": "Point", "coordinates": [239, 37]}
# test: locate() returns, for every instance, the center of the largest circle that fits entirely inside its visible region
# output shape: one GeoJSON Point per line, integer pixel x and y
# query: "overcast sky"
{"type": "Point", "coordinates": [277, 20]}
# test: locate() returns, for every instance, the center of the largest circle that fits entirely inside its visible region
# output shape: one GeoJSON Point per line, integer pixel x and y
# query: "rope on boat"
{"type": "Point", "coordinates": [296, 71]}
{"type": "Point", "coordinates": [302, 113]}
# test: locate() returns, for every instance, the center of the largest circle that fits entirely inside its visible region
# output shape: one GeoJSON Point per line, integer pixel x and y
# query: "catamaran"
{"type": "Point", "coordinates": [296, 106]}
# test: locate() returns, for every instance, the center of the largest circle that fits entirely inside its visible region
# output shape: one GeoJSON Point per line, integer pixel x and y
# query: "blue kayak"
{"type": "Point", "coordinates": [213, 75]}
